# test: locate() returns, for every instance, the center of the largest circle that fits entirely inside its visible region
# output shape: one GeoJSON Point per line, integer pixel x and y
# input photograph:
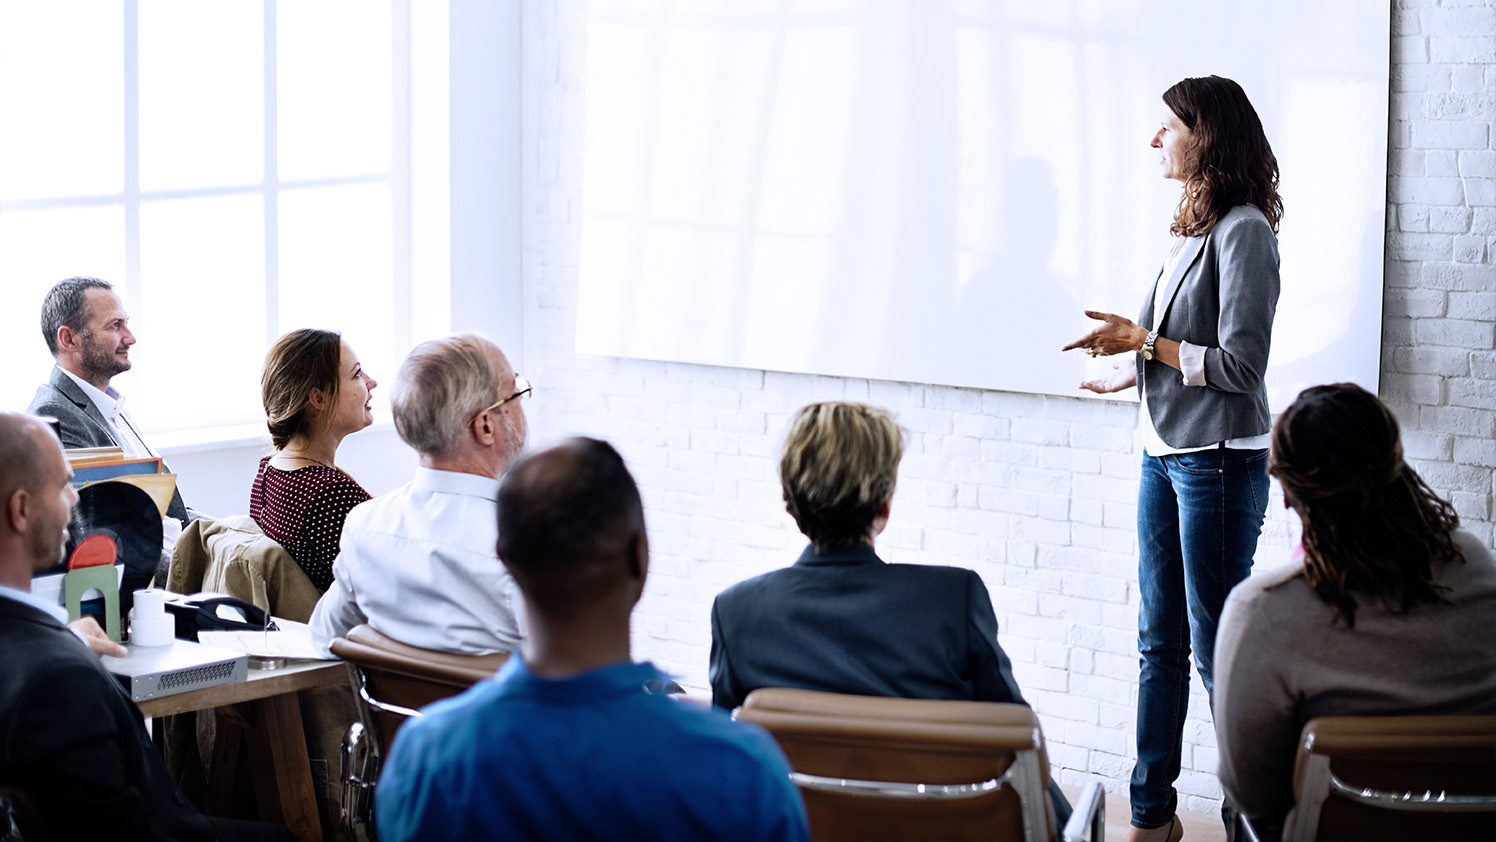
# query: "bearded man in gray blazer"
{"type": "Point", "coordinates": [88, 332]}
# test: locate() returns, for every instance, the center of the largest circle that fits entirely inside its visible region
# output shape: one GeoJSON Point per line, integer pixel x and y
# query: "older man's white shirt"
{"type": "Point", "coordinates": [418, 564]}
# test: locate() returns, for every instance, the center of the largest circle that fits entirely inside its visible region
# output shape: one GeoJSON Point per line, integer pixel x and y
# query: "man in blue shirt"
{"type": "Point", "coordinates": [565, 742]}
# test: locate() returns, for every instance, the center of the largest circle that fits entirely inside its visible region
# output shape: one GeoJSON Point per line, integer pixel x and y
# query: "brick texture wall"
{"type": "Point", "coordinates": [1034, 493]}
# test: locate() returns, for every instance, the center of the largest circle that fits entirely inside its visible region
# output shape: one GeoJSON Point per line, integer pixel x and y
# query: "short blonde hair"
{"type": "Point", "coordinates": [838, 470]}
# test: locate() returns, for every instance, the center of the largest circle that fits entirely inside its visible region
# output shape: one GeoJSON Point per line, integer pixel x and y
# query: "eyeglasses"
{"type": "Point", "coordinates": [522, 387]}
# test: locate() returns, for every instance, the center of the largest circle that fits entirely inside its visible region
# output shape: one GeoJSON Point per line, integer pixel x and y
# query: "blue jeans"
{"type": "Point", "coordinates": [1199, 515]}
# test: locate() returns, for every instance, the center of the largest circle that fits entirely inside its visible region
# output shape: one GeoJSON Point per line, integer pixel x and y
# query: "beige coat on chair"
{"type": "Point", "coordinates": [233, 557]}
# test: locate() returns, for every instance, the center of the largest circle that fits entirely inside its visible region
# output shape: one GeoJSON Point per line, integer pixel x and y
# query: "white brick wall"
{"type": "Point", "coordinates": [1034, 493]}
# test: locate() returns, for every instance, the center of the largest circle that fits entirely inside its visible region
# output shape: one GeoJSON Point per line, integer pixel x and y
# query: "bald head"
{"type": "Point", "coordinates": [23, 441]}
{"type": "Point", "coordinates": [36, 498]}
{"type": "Point", "coordinates": [571, 526]}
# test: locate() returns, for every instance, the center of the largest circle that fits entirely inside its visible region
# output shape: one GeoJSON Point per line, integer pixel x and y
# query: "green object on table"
{"type": "Point", "coordinates": [103, 577]}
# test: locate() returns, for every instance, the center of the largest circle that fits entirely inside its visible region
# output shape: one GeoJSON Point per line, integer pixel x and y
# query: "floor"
{"type": "Point", "coordinates": [1198, 827]}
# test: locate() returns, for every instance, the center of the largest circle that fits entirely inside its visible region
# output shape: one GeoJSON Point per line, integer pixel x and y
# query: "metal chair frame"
{"type": "Point", "coordinates": [1320, 782]}
{"type": "Point", "coordinates": [361, 758]}
{"type": "Point", "coordinates": [443, 674]}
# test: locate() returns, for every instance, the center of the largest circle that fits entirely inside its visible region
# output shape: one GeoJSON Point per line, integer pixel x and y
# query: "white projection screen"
{"type": "Point", "coordinates": [932, 191]}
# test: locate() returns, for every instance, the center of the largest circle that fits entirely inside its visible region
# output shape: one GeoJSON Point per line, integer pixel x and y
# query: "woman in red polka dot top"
{"type": "Point", "coordinates": [315, 394]}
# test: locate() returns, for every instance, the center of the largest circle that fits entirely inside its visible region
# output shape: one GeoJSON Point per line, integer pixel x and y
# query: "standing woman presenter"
{"type": "Point", "coordinates": [1198, 354]}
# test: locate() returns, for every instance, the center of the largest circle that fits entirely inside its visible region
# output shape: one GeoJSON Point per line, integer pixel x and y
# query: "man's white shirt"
{"type": "Point", "coordinates": [419, 565]}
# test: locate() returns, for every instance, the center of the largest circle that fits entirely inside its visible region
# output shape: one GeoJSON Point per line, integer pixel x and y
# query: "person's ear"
{"type": "Point", "coordinates": [484, 430]}
{"type": "Point", "coordinates": [317, 399]}
{"type": "Point", "coordinates": [880, 520]}
{"type": "Point", "coordinates": [67, 338]}
{"type": "Point", "coordinates": [18, 510]}
{"type": "Point", "coordinates": [637, 562]}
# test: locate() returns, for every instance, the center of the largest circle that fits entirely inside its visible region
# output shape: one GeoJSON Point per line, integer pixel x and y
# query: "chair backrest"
{"type": "Point", "coordinates": [876, 768]}
{"type": "Point", "coordinates": [1396, 777]}
{"type": "Point", "coordinates": [393, 680]}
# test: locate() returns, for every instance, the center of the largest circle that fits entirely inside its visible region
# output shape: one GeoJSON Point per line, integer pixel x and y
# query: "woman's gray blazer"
{"type": "Point", "coordinates": [1222, 295]}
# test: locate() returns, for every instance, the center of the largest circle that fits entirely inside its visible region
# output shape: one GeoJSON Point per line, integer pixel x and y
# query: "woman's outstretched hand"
{"type": "Point", "coordinates": [1123, 375]}
{"type": "Point", "coordinates": [1116, 335]}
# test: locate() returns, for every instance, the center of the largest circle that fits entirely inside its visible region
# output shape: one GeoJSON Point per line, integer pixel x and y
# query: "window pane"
{"type": "Point", "coordinates": [333, 67]}
{"type": "Point", "coordinates": [335, 258]}
{"type": "Point", "coordinates": [430, 165]}
{"type": "Point", "coordinates": [38, 249]}
{"type": "Point", "coordinates": [202, 93]}
{"type": "Point", "coordinates": [201, 323]}
{"type": "Point", "coordinates": [62, 97]}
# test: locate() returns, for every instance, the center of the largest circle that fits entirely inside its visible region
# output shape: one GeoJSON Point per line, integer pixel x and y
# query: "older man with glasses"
{"type": "Point", "coordinates": [418, 563]}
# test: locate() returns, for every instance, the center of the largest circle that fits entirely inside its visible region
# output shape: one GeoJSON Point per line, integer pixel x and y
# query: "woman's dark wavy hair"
{"type": "Point", "coordinates": [1372, 526]}
{"type": "Point", "coordinates": [1233, 162]}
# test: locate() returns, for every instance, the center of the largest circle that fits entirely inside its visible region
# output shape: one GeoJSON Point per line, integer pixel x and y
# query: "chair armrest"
{"type": "Point", "coordinates": [1089, 814]}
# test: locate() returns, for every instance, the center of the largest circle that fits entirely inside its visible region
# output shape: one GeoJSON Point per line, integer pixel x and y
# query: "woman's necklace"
{"type": "Point", "coordinates": [307, 459]}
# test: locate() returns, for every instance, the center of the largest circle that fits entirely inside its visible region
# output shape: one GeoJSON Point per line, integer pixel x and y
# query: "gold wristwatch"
{"type": "Point", "coordinates": [1147, 351]}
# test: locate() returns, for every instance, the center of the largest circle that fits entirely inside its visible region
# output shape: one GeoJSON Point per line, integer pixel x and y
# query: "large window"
{"type": "Point", "coordinates": [237, 169]}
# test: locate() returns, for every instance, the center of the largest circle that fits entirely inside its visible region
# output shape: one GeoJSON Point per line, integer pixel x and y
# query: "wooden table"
{"type": "Point", "coordinates": [279, 752]}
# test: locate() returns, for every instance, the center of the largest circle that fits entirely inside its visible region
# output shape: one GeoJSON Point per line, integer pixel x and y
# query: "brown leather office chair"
{"type": "Point", "coordinates": [1395, 777]}
{"type": "Point", "coordinates": [391, 681]}
{"type": "Point", "coordinates": [877, 768]}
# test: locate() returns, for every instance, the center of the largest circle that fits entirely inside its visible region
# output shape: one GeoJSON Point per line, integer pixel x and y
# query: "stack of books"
{"type": "Point", "coordinates": [109, 464]}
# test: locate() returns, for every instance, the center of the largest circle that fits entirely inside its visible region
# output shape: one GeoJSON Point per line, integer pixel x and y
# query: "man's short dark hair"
{"type": "Point", "coordinates": [67, 304]}
{"type": "Point", "coordinates": [566, 519]}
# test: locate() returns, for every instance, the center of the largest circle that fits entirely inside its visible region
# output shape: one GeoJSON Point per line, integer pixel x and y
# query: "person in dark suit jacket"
{"type": "Point", "coordinates": [845, 621]}
{"type": "Point", "coordinates": [69, 736]}
{"type": "Point", "coordinates": [87, 330]}
{"type": "Point", "coordinates": [841, 620]}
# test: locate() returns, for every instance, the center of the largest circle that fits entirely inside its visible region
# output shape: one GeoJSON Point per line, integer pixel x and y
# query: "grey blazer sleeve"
{"type": "Point", "coordinates": [1247, 262]}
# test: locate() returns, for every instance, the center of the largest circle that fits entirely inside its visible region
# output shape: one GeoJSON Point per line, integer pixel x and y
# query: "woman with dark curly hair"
{"type": "Point", "coordinates": [1389, 607]}
{"type": "Point", "coordinates": [1198, 354]}
{"type": "Point", "coordinates": [316, 393]}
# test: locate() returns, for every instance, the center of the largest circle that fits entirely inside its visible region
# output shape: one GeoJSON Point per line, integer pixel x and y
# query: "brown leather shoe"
{"type": "Point", "coordinates": [1171, 832]}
